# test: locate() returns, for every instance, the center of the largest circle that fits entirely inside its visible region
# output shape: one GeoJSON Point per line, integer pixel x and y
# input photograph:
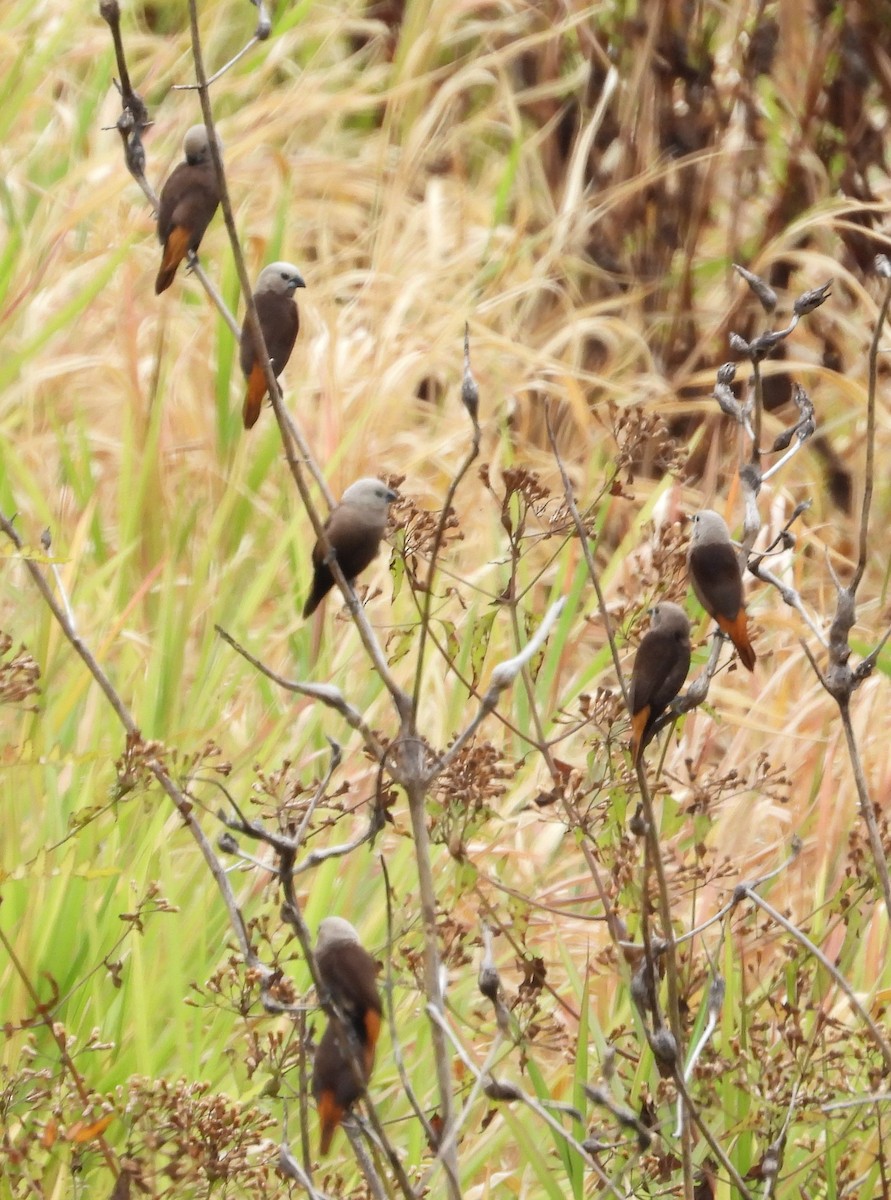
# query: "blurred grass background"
{"type": "Point", "coordinates": [576, 181]}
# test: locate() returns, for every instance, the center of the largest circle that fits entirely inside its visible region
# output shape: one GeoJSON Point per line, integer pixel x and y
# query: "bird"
{"type": "Point", "coordinates": [354, 529]}
{"type": "Point", "coordinates": [280, 322]}
{"type": "Point", "coordinates": [660, 668]}
{"type": "Point", "coordinates": [714, 570]}
{"type": "Point", "coordinates": [349, 974]}
{"type": "Point", "coordinates": [189, 199]}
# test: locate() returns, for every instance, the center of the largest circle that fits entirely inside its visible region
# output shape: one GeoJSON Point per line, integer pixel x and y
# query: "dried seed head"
{"type": "Point", "coordinates": [470, 393]}
{"type": "Point", "coordinates": [760, 287]}
{"type": "Point", "coordinates": [665, 1050]}
{"type": "Point", "coordinates": [808, 301]}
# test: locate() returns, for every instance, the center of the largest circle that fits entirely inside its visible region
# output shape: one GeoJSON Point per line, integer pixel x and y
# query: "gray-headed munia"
{"type": "Point", "coordinates": [341, 1069]}
{"type": "Point", "coordinates": [280, 322]}
{"type": "Point", "coordinates": [354, 529]}
{"type": "Point", "coordinates": [188, 201]}
{"type": "Point", "coordinates": [660, 668]}
{"type": "Point", "coordinates": [716, 577]}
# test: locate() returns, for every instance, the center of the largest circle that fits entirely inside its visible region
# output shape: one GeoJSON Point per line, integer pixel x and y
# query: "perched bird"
{"type": "Point", "coordinates": [280, 321]}
{"type": "Point", "coordinates": [660, 668]}
{"type": "Point", "coordinates": [715, 573]}
{"type": "Point", "coordinates": [349, 973]}
{"type": "Point", "coordinates": [188, 201]}
{"type": "Point", "coordinates": [354, 528]}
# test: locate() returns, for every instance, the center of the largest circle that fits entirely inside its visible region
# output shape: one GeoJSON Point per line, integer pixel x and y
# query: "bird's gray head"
{"type": "Point", "coordinates": [669, 617]}
{"type": "Point", "coordinates": [333, 930]}
{"type": "Point", "coordinates": [371, 497]}
{"type": "Point", "coordinates": [709, 527]}
{"type": "Point", "coordinates": [196, 145]}
{"type": "Point", "coordinates": [283, 278]}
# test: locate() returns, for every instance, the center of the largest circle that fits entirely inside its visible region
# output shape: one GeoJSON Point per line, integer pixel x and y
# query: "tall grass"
{"type": "Point", "coordinates": [417, 181]}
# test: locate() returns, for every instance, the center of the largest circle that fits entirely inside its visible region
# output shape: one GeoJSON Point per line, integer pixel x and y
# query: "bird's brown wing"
{"type": "Point", "coordinates": [354, 541]}
{"type": "Point", "coordinates": [331, 1071]}
{"type": "Point", "coordinates": [350, 974]}
{"type": "Point", "coordinates": [246, 354]}
{"type": "Point", "coordinates": [660, 668]}
{"type": "Point", "coordinates": [280, 323]}
{"type": "Point", "coordinates": [356, 544]}
{"type": "Point", "coordinates": [172, 192]}
{"type": "Point", "coordinates": [335, 1085]}
{"type": "Point", "coordinates": [716, 579]}
{"type": "Point", "coordinates": [188, 200]}
{"type": "Point", "coordinates": [673, 681]}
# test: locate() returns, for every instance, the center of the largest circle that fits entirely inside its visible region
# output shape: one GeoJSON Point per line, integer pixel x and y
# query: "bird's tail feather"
{"type": "Point", "coordinates": [174, 252]}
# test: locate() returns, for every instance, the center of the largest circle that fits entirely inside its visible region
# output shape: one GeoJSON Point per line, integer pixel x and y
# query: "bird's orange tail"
{"type": "Point", "coordinates": [372, 1033]}
{"type": "Point", "coordinates": [638, 725]}
{"type": "Point", "coordinates": [330, 1116]}
{"type": "Point", "coordinates": [738, 632]}
{"type": "Point", "coordinates": [174, 252]}
{"type": "Point", "coordinates": [256, 390]}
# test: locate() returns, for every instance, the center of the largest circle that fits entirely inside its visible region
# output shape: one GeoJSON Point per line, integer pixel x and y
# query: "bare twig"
{"type": "Point", "coordinates": [373, 1179]}
{"type": "Point", "coordinates": [395, 1039]}
{"type": "Point", "coordinates": [714, 1145]}
{"type": "Point", "coordinates": [857, 1102]}
{"type": "Point", "coordinates": [883, 268]}
{"type": "Point", "coordinates": [134, 118]}
{"type": "Point", "coordinates": [326, 693]}
{"type": "Point", "coordinates": [839, 679]}
{"type": "Point", "coordinates": [502, 678]}
{"type": "Point", "coordinates": [211, 288]}
{"type": "Point", "coordinates": [762, 345]}
{"type": "Point", "coordinates": [434, 985]}
{"type": "Point", "coordinates": [291, 1169]}
{"type": "Point", "coordinates": [739, 893]}
{"type": "Point", "coordinates": [509, 1091]}
{"type": "Point", "coordinates": [470, 399]}
{"type": "Point", "coordinates": [830, 967]}
{"type": "Point", "coordinates": [784, 539]}
{"type": "Point", "coordinates": [713, 1006]}
{"type": "Point", "coordinates": [261, 33]}
{"type": "Point", "coordinates": [290, 846]}
{"type": "Point", "coordinates": [804, 429]}
{"type": "Point", "coordinates": [447, 1142]}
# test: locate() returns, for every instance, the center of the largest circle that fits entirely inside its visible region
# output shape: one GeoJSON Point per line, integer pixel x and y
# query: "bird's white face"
{"type": "Point", "coordinates": [282, 278]}
{"type": "Point", "coordinates": [370, 496]}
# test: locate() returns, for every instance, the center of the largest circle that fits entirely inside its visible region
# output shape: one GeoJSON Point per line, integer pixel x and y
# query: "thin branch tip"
{"type": "Point", "coordinates": [506, 672]}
